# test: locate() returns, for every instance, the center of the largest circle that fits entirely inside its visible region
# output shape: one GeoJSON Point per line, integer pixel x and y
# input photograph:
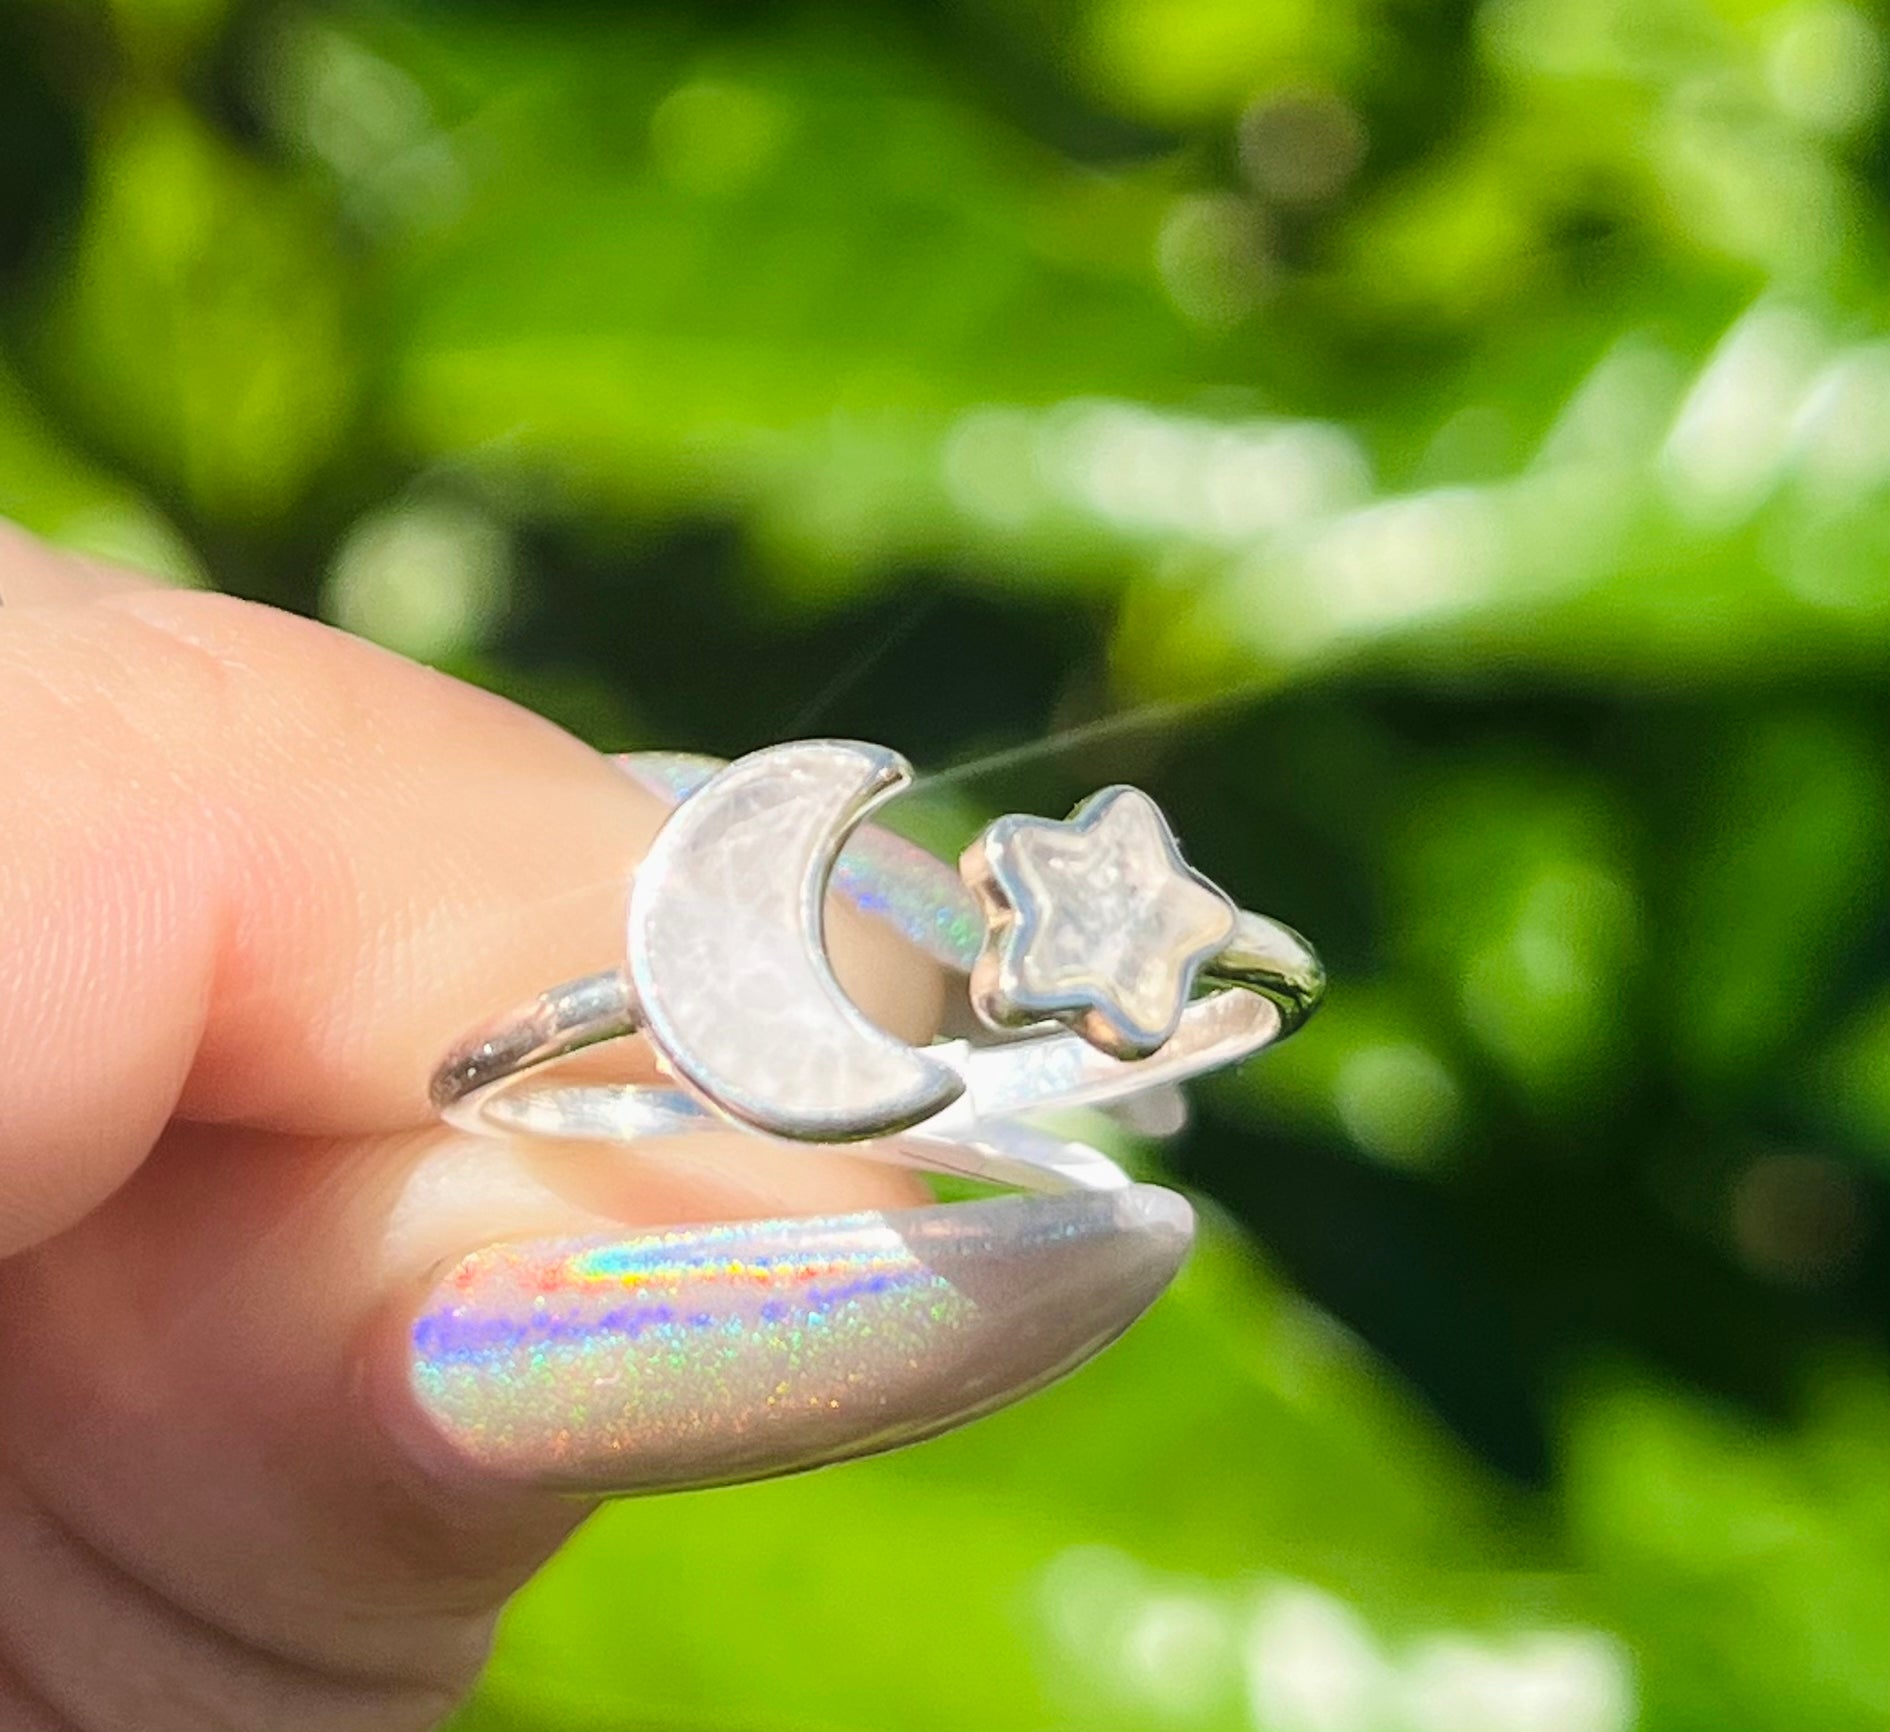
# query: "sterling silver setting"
{"type": "Point", "coordinates": [1097, 923]}
{"type": "Point", "coordinates": [1101, 966]}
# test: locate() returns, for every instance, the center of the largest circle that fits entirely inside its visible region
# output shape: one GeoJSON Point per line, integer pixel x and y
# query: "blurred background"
{"type": "Point", "coordinates": [1442, 451]}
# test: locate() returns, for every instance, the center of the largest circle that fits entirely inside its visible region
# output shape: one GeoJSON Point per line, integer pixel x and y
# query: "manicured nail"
{"type": "Point", "coordinates": [705, 1355]}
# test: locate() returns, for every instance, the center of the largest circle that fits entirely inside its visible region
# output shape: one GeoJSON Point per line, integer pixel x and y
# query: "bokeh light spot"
{"type": "Point", "coordinates": [1399, 1102]}
{"type": "Point", "coordinates": [429, 579]}
{"type": "Point", "coordinates": [710, 136]}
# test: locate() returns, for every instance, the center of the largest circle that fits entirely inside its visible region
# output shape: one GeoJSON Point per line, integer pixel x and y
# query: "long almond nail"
{"type": "Point", "coordinates": [705, 1355]}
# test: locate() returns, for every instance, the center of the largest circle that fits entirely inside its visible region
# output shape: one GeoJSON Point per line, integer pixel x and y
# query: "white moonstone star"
{"type": "Point", "coordinates": [1097, 923]}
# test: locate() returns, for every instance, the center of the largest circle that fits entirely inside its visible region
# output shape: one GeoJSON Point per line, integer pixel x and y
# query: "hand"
{"type": "Point", "coordinates": [255, 877]}
{"type": "Point", "coordinates": [295, 1385]}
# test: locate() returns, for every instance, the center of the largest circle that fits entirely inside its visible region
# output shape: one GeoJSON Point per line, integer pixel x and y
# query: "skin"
{"type": "Point", "coordinates": [255, 876]}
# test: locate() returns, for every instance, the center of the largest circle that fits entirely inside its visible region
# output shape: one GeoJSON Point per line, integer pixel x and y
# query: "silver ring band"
{"type": "Point", "coordinates": [1262, 979]}
{"type": "Point", "coordinates": [475, 1087]}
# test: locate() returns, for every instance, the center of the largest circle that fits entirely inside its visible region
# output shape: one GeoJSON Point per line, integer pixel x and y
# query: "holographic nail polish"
{"type": "Point", "coordinates": [701, 1356]}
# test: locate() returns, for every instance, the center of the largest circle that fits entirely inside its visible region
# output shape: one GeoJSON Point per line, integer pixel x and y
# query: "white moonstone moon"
{"type": "Point", "coordinates": [729, 961]}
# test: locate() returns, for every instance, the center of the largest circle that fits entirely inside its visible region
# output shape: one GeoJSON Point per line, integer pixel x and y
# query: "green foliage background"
{"type": "Point", "coordinates": [1443, 451]}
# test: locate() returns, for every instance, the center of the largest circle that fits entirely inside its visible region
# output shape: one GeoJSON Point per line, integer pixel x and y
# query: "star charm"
{"type": "Point", "coordinates": [1097, 922]}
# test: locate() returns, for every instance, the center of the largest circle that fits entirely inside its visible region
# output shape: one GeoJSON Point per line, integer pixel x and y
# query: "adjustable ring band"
{"type": "Point", "coordinates": [477, 1086]}
{"type": "Point", "coordinates": [1084, 943]}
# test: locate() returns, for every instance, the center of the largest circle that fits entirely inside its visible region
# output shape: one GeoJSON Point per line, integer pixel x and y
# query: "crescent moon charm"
{"type": "Point", "coordinates": [727, 951]}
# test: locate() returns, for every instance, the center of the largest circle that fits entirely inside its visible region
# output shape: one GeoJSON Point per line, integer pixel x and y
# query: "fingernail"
{"type": "Point", "coordinates": [706, 1355]}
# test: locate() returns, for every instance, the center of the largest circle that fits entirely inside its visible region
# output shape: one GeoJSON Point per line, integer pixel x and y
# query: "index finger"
{"type": "Point", "coordinates": [255, 871]}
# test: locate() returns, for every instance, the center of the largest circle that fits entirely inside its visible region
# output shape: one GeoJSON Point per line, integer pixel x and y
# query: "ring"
{"type": "Point", "coordinates": [1100, 967]}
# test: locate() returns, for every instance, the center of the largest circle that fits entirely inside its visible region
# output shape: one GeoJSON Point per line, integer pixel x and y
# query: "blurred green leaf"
{"type": "Point", "coordinates": [1759, 1555]}
{"type": "Point", "coordinates": [52, 490]}
{"type": "Point", "coordinates": [1800, 803]}
{"type": "Point", "coordinates": [200, 327]}
{"type": "Point", "coordinates": [1850, 1080]}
